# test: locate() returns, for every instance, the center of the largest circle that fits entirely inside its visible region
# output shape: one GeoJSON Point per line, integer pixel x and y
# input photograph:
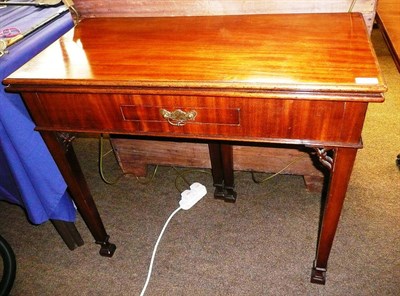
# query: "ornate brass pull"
{"type": "Point", "coordinates": [178, 117]}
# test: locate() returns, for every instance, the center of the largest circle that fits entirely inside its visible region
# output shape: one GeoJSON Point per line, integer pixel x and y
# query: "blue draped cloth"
{"type": "Point", "coordinates": [29, 176]}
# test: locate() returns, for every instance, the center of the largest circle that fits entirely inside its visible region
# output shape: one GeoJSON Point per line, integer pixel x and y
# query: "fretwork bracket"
{"type": "Point", "coordinates": [324, 158]}
{"type": "Point", "coordinates": [65, 139]}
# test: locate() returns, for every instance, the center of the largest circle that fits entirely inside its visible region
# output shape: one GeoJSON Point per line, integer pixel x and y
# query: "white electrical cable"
{"type": "Point", "coordinates": [155, 250]}
{"type": "Point", "coordinates": [188, 199]}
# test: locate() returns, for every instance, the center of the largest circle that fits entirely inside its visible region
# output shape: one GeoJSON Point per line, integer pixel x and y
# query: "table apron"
{"type": "Point", "coordinates": [338, 123]}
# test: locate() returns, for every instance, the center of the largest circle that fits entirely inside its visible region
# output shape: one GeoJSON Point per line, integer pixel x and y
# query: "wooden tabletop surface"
{"type": "Point", "coordinates": [306, 52]}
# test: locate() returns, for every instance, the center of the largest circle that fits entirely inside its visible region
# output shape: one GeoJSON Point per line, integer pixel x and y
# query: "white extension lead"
{"type": "Point", "coordinates": [188, 199]}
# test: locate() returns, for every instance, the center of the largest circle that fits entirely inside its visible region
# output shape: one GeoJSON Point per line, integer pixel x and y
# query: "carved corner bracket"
{"type": "Point", "coordinates": [324, 158]}
{"type": "Point", "coordinates": [65, 139]}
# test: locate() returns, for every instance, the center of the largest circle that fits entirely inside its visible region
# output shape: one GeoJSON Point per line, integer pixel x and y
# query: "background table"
{"type": "Point", "coordinates": [388, 18]}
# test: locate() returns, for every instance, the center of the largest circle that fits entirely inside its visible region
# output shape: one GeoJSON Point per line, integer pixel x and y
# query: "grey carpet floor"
{"type": "Point", "coordinates": [264, 244]}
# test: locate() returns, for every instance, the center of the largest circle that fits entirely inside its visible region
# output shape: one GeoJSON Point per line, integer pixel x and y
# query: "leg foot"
{"type": "Point", "coordinates": [224, 193]}
{"type": "Point", "coordinates": [107, 249]}
{"type": "Point", "coordinates": [318, 275]}
{"type": "Point", "coordinates": [230, 195]}
{"type": "Point", "coordinates": [219, 191]}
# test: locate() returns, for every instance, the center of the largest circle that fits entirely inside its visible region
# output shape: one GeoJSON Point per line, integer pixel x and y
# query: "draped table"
{"type": "Point", "coordinates": [28, 174]}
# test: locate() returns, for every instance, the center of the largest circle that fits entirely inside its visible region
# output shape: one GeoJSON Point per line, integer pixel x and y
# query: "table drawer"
{"type": "Point", "coordinates": [195, 116]}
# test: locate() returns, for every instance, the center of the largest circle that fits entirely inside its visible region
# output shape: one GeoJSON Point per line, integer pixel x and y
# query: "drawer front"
{"type": "Point", "coordinates": [197, 116]}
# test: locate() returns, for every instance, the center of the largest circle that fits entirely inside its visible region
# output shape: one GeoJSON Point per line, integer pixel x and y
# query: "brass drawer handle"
{"type": "Point", "coordinates": [178, 117]}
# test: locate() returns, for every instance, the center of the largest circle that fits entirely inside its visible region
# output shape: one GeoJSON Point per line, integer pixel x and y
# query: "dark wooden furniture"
{"type": "Point", "coordinates": [69, 233]}
{"type": "Point", "coordinates": [388, 18]}
{"type": "Point", "coordinates": [223, 80]}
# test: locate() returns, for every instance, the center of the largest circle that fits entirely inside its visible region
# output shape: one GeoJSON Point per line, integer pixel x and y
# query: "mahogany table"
{"type": "Point", "coordinates": [284, 79]}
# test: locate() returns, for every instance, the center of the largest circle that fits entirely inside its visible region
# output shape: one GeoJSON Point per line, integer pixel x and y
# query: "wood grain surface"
{"type": "Point", "coordinates": [311, 52]}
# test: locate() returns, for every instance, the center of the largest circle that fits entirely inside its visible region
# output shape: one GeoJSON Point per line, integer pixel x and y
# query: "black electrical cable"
{"type": "Point", "coordinates": [9, 267]}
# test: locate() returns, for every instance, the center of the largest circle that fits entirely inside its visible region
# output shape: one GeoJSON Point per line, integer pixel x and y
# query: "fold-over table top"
{"type": "Point", "coordinates": [297, 52]}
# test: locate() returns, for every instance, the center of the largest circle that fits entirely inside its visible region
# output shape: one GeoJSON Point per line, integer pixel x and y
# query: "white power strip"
{"type": "Point", "coordinates": [188, 199]}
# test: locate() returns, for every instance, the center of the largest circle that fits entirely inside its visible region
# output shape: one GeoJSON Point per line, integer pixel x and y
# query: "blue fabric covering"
{"type": "Point", "coordinates": [28, 175]}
